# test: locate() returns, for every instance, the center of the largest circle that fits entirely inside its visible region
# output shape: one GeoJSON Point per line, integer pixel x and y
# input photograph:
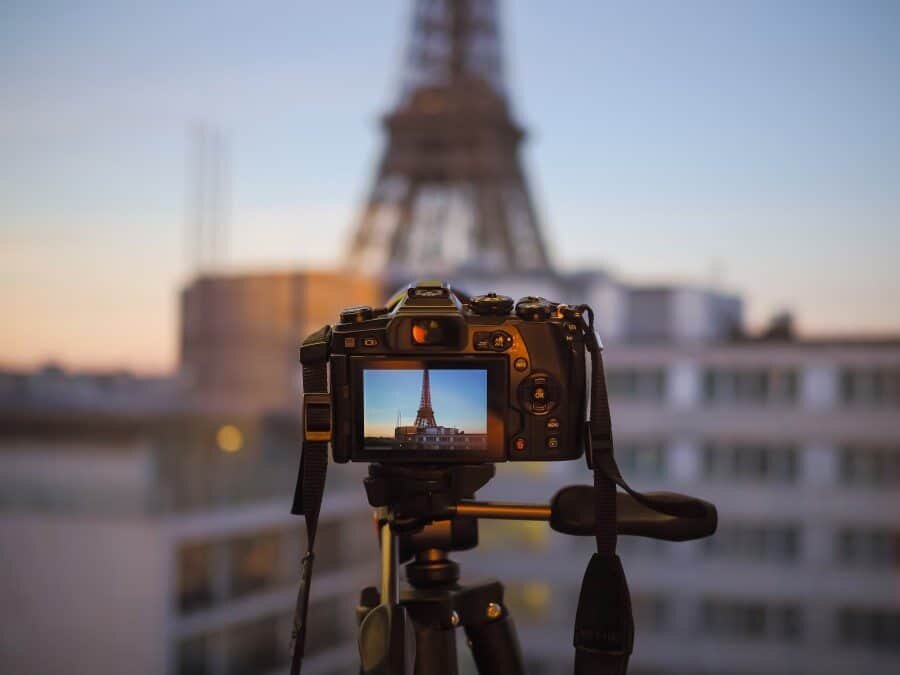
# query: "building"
{"type": "Point", "coordinates": [157, 539]}
{"type": "Point", "coordinates": [798, 444]}
{"type": "Point", "coordinates": [241, 333]}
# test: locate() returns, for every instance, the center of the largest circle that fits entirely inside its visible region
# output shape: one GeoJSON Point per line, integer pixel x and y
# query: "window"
{"type": "Point", "coordinates": [641, 459]}
{"type": "Point", "coordinates": [254, 563]}
{"type": "Point", "coordinates": [871, 466]}
{"type": "Point", "coordinates": [750, 462]}
{"type": "Point", "coordinates": [755, 542]}
{"type": "Point", "coordinates": [872, 628]}
{"type": "Point", "coordinates": [647, 384]}
{"type": "Point", "coordinates": [754, 386]}
{"type": "Point", "coordinates": [751, 620]}
{"type": "Point", "coordinates": [870, 386]}
{"type": "Point", "coordinates": [254, 647]}
{"type": "Point", "coordinates": [855, 547]}
{"type": "Point", "coordinates": [195, 576]}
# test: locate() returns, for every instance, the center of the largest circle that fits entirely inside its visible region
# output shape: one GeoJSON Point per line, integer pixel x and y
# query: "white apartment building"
{"type": "Point", "coordinates": [798, 444]}
{"type": "Point", "coordinates": [148, 546]}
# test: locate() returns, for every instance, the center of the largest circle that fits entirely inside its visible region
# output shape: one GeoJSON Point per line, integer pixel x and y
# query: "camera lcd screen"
{"type": "Point", "coordinates": [426, 409]}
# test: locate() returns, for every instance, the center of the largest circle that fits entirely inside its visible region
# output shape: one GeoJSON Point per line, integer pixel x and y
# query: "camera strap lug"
{"type": "Point", "coordinates": [317, 424]}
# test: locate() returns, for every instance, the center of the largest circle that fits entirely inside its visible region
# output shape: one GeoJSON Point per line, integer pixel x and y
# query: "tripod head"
{"type": "Point", "coordinates": [427, 511]}
{"type": "Point", "coordinates": [420, 496]}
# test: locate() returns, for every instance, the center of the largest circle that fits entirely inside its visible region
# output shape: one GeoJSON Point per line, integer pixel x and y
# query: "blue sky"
{"type": "Point", "coordinates": [756, 144]}
{"type": "Point", "coordinates": [458, 398]}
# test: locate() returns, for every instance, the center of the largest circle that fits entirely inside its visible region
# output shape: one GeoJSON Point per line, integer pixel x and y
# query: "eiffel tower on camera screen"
{"type": "Point", "coordinates": [458, 395]}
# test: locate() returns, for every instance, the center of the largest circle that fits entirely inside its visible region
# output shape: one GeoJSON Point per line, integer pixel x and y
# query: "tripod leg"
{"type": "Point", "coordinates": [386, 637]}
{"type": "Point", "coordinates": [490, 629]}
{"type": "Point", "coordinates": [435, 638]}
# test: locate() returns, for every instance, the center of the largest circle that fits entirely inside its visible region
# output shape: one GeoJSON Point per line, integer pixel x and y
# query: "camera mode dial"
{"type": "Point", "coordinates": [534, 309]}
{"type": "Point", "coordinates": [492, 303]}
{"type": "Point", "coordinates": [357, 314]}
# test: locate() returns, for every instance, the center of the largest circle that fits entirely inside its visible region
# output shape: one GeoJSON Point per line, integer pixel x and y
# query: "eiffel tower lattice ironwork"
{"type": "Point", "coordinates": [425, 413]}
{"type": "Point", "coordinates": [450, 194]}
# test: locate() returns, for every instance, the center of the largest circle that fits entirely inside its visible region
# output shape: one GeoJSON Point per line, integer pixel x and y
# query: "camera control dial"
{"type": "Point", "coordinates": [534, 309]}
{"type": "Point", "coordinates": [357, 314]}
{"type": "Point", "coordinates": [491, 303]}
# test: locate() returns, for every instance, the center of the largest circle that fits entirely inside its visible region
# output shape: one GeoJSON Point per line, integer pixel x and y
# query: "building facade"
{"type": "Point", "coordinates": [159, 540]}
{"type": "Point", "coordinates": [798, 445]}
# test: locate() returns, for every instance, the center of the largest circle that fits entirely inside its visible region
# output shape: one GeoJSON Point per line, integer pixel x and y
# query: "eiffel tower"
{"type": "Point", "coordinates": [425, 413]}
{"type": "Point", "coordinates": [450, 196]}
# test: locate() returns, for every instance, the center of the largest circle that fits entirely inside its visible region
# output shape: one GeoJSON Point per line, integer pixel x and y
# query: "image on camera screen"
{"type": "Point", "coordinates": [425, 409]}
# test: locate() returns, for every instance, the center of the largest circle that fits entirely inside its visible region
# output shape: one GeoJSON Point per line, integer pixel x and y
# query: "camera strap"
{"type": "Point", "coordinates": [604, 625]}
{"type": "Point", "coordinates": [313, 468]}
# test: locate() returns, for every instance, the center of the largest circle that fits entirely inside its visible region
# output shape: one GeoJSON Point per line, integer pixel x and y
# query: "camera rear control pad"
{"type": "Point", "coordinates": [539, 393]}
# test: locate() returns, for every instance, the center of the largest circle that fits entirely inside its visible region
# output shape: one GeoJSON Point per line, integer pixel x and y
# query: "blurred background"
{"type": "Point", "coordinates": [188, 189]}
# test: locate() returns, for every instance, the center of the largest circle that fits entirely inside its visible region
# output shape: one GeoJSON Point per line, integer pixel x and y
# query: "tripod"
{"type": "Point", "coordinates": [426, 512]}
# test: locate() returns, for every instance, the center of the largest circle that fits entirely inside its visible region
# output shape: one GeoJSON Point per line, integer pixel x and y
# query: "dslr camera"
{"type": "Point", "coordinates": [437, 377]}
{"type": "Point", "coordinates": [432, 390]}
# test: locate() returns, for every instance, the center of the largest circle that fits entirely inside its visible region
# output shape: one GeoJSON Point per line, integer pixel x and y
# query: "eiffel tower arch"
{"type": "Point", "coordinates": [450, 196]}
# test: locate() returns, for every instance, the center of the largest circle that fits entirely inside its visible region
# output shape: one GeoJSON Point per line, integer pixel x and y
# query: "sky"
{"type": "Point", "coordinates": [458, 398]}
{"type": "Point", "coordinates": [755, 145]}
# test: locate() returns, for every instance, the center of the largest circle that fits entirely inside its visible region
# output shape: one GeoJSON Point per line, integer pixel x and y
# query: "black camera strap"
{"type": "Point", "coordinates": [313, 468]}
{"type": "Point", "coordinates": [604, 625]}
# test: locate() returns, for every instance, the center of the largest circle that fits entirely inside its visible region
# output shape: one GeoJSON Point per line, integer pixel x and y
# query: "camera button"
{"type": "Point", "coordinates": [482, 342]}
{"type": "Point", "coordinates": [553, 442]}
{"type": "Point", "coordinates": [520, 444]}
{"type": "Point", "coordinates": [521, 364]}
{"type": "Point", "coordinates": [501, 341]}
{"type": "Point", "coordinates": [370, 342]}
{"type": "Point", "coordinates": [553, 425]}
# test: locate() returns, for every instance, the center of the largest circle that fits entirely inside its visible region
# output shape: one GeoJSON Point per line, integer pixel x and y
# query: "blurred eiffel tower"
{"type": "Point", "coordinates": [450, 196]}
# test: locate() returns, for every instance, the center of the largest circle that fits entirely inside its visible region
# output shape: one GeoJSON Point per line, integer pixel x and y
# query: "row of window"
{"type": "Point", "coordinates": [262, 645]}
{"type": "Point", "coordinates": [755, 386]}
{"type": "Point", "coordinates": [870, 387]}
{"type": "Point", "coordinates": [752, 620]}
{"type": "Point", "coordinates": [757, 462]}
{"type": "Point", "coordinates": [781, 543]}
{"type": "Point", "coordinates": [779, 622]}
{"type": "Point", "coordinates": [211, 572]}
{"type": "Point", "coordinates": [858, 465]}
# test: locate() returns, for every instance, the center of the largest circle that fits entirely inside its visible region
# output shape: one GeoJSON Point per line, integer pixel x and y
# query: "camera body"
{"type": "Point", "coordinates": [437, 377]}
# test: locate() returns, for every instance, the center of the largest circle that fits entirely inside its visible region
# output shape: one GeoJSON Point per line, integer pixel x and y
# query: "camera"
{"type": "Point", "coordinates": [438, 377]}
{"type": "Point", "coordinates": [431, 390]}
